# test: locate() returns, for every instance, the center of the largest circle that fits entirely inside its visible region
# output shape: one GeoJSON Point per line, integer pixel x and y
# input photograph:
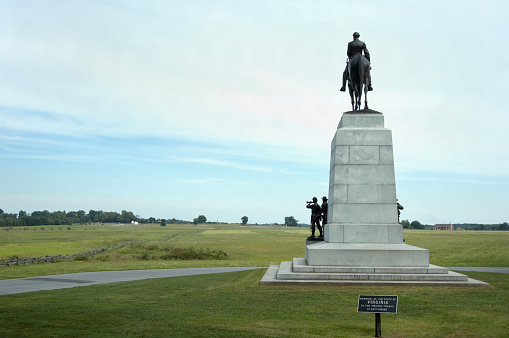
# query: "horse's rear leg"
{"type": "Point", "coordinates": [366, 97]}
{"type": "Point", "coordinates": [351, 96]}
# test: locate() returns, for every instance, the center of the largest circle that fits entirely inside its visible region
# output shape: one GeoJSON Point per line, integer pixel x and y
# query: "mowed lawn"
{"type": "Point", "coordinates": [244, 245]}
{"type": "Point", "coordinates": [233, 304]}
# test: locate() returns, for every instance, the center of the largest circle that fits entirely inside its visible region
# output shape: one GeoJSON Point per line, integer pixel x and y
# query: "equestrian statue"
{"type": "Point", "coordinates": [357, 72]}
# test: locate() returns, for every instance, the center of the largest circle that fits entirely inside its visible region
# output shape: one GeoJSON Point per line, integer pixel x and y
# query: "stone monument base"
{"type": "Point", "coordinates": [366, 254]}
{"type": "Point", "coordinates": [299, 273]}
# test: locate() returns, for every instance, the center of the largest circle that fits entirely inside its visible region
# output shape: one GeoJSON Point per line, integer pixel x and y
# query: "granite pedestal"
{"type": "Point", "coordinates": [363, 240]}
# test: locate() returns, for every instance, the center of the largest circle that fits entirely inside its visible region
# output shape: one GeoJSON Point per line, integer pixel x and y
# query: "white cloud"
{"type": "Point", "coordinates": [229, 164]}
{"type": "Point", "coordinates": [204, 181]}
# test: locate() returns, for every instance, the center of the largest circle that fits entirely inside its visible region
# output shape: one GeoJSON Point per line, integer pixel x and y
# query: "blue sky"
{"type": "Point", "coordinates": [227, 108]}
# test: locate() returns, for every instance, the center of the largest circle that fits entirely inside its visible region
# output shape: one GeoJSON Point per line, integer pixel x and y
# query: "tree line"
{"type": "Point", "coordinates": [413, 225]}
{"type": "Point", "coordinates": [22, 218]}
{"type": "Point", "coordinates": [489, 227]}
{"type": "Point", "coordinates": [457, 226]}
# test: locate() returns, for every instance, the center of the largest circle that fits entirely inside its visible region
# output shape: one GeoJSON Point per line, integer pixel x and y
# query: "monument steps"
{"type": "Point", "coordinates": [300, 265]}
{"type": "Point", "coordinates": [285, 274]}
{"type": "Point", "coordinates": [286, 271]}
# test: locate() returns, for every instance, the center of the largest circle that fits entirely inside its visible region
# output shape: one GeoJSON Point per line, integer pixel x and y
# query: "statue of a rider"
{"type": "Point", "coordinates": [355, 47]}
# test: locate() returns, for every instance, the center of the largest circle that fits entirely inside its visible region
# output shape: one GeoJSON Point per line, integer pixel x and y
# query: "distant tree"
{"type": "Point", "coordinates": [22, 213]}
{"type": "Point", "coordinates": [72, 214]}
{"type": "Point", "coordinates": [200, 219]}
{"type": "Point", "coordinates": [110, 217]}
{"type": "Point", "coordinates": [82, 215]}
{"type": "Point", "coordinates": [290, 221]}
{"type": "Point", "coordinates": [44, 213]}
{"type": "Point", "coordinates": [406, 224]}
{"type": "Point", "coordinates": [163, 222]}
{"type": "Point", "coordinates": [152, 220]}
{"type": "Point", "coordinates": [244, 220]}
{"type": "Point", "coordinates": [127, 217]}
{"type": "Point", "coordinates": [59, 218]}
{"type": "Point", "coordinates": [416, 225]}
{"type": "Point", "coordinates": [94, 216]}
{"type": "Point", "coordinates": [504, 226]}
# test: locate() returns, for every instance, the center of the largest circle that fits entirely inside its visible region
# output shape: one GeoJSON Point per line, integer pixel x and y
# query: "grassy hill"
{"type": "Point", "coordinates": [233, 304]}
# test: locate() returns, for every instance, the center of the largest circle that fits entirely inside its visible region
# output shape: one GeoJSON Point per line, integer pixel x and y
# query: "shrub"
{"type": "Point", "coordinates": [193, 254]}
{"type": "Point", "coordinates": [144, 256]}
{"type": "Point", "coordinates": [152, 247]}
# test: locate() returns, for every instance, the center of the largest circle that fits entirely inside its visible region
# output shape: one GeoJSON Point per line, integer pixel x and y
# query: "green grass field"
{"type": "Point", "coordinates": [233, 304]}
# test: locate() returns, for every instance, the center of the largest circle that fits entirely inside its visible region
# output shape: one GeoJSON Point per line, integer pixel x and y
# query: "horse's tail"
{"type": "Point", "coordinates": [356, 73]}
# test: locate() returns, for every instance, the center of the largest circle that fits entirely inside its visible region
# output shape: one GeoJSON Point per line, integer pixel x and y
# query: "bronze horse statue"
{"type": "Point", "coordinates": [359, 79]}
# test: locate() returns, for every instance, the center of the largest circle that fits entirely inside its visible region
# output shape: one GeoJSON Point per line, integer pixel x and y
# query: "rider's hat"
{"type": "Point", "coordinates": [356, 35]}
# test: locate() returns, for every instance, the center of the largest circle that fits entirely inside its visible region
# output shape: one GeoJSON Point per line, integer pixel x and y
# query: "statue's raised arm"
{"type": "Point", "coordinates": [357, 72]}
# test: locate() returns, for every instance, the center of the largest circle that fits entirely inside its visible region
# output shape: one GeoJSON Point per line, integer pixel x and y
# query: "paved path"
{"type": "Point", "coordinates": [63, 281]}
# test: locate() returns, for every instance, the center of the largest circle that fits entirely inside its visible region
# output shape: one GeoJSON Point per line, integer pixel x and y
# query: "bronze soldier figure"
{"type": "Point", "coordinates": [324, 207]}
{"type": "Point", "coordinates": [315, 217]}
{"type": "Point", "coordinates": [400, 207]}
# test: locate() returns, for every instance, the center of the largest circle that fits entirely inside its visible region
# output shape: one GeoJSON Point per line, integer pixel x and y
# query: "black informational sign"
{"type": "Point", "coordinates": [377, 304]}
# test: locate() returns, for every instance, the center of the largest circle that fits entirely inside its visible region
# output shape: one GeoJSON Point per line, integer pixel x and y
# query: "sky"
{"type": "Point", "coordinates": [174, 109]}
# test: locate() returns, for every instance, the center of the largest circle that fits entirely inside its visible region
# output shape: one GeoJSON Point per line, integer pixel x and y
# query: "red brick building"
{"type": "Point", "coordinates": [444, 226]}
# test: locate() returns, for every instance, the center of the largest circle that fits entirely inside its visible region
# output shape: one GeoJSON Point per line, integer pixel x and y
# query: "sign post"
{"type": "Point", "coordinates": [378, 325]}
{"type": "Point", "coordinates": [377, 305]}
